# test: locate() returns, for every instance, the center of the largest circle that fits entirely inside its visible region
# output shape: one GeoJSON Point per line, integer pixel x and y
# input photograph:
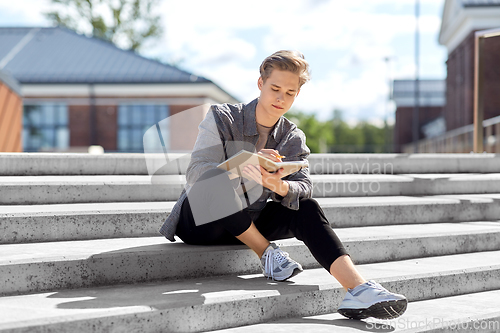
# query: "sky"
{"type": "Point", "coordinates": [345, 42]}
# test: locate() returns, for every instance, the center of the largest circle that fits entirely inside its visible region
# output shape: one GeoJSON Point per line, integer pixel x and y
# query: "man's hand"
{"type": "Point", "coordinates": [267, 179]}
{"type": "Point", "coordinates": [271, 154]}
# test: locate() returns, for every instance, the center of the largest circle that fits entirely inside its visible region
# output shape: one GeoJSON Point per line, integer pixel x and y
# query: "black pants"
{"type": "Point", "coordinates": [275, 221]}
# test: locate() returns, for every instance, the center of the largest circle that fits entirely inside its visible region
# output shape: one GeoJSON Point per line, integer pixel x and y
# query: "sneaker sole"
{"type": "Point", "coordinates": [294, 273]}
{"type": "Point", "coordinates": [382, 310]}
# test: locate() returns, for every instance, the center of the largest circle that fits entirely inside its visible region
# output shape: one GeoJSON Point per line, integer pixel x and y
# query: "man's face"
{"type": "Point", "coordinates": [278, 93]}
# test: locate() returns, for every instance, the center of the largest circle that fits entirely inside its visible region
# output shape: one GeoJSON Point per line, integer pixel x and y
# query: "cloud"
{"type": "Point", "coordinates": [359, 97]}
{"type": "Point", "coordinates": [348, 39]}
{"type": "Point", "coordinates": [345, 42]}
{"type": "Point", "coordinates": [23, 13]}
{"type": "Point", "coordinates": [241, 81]}
{"type": "Point", "coordinates": [220, 47]}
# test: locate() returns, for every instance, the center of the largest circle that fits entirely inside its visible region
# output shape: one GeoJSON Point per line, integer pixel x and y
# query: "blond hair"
{"type": "Point", "coordinates": [292, 61]}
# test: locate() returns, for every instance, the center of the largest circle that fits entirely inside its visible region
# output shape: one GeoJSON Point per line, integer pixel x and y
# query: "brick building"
{"type": "Point", "coordinates": [431, 102]}
{"type": "Point", "coordinates": [461, 19]}
{"type": "Point", "coordinates": [79, 91]}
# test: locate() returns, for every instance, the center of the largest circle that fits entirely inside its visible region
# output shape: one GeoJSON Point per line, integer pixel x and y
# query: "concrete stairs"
{"type": "Point", "coordinates": [79, 248]}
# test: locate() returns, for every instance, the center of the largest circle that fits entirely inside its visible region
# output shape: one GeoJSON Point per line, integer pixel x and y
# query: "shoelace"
{"type": "Point", "coordinates": [381, 289]}
{"type": "Point", "coordinates": [274, 255]}
{"type": "Point", "coordinates": [375, 285]}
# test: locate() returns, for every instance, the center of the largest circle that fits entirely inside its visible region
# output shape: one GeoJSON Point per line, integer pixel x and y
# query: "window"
{"type": "Point", "coordinates": [45, 127]}
{"type": "Point", "coordinates": [134, 120]}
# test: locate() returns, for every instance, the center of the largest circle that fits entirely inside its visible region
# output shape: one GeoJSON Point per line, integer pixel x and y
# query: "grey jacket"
{"type": "Point", "coordinates": [228, 128]}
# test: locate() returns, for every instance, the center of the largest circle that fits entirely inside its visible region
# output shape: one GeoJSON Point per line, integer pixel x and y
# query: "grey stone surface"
{"type": "Point", "coordinates": [407, 184]}
{"type": "Point", "coordinates": [404, 234]}
{"type": "Point", "coordinates": [62, 222]}
{"type": "Point", "coordinates": [215, 303]}
{"type": "Point", "coordinates": [403, 163]}
{"type": "Point", "coordinates": [49, 266]}
{"type": "Point", "coordinates": [469, 314]}
{"type": "Point", "coordinates": [388, 210]}
{"type": "Point", "coordinates": [29, 190]}
{"type": "Point", "coordinates": [46, 223]}
{"type": "Point", "coordinates": [23, 164]}
{"type": "Point", "coordinates": [45, 164]}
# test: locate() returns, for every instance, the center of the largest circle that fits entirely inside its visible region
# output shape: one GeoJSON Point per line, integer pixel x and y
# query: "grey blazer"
{"type": "Point", "coordinates": [228, 128]}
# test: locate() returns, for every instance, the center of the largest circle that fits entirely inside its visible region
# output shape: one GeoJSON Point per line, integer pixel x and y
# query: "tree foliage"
{"type": "Point", "coordinates": [318, 134]}
{"type": "Point", "coordinates": [125, 23]}
{"type": "Point", "coordinates": [337, 136]}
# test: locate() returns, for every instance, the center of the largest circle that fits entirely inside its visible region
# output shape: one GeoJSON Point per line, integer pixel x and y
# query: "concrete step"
{"type": "Point", "coordinates": [57, 164]}
{"type": "Point", "coordinates": [405, 184]}
{"type": "Point", "coordinates": [32, 190]}
{"type": "Point", "coordinates": [204, 304]}
{"type": "Point", "coordinates": [63, 222]}
{"type": "Point", "coordinates": [390, 210]}
{"type": "Point", "coordinates": [476, 312]}
{"type": "Point", "coordinates": [49, 266]}
{"type": "Point", "coordinates": [403, 163]}
{"type": "Point", "coordinates": [32, 164]}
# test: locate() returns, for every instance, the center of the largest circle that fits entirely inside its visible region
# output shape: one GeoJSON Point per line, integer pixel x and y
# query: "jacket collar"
{"type": "Point", "coordinates": [250, 121]}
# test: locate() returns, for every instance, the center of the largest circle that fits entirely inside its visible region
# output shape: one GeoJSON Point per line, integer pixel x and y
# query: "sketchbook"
{"type": "Point", "coordinates": [236, 163]}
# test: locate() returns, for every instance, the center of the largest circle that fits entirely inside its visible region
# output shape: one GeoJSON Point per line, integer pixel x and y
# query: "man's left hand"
{"type": "Point", "coordinates": [267, 179]}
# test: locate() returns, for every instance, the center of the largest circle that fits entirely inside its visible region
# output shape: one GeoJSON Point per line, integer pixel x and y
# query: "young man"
{"type": "Point", "coordinates": [214, 209]}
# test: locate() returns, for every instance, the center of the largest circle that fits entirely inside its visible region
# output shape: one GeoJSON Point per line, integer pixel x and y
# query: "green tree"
{"type": "Point", "coordinates": [318, 134]}
{"type": "Point", "coordinates": [337, 136]}
{"type": "Point", "coordinates": [347, 139]}
{"type": "Point", "coordinates": [364, 137]}
{"type": "Point", "coordinates": [130, 22]}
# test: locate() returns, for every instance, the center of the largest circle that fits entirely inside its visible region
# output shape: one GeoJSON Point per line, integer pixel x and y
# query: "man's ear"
{"type": "Point", "coordinates": [260, 83]}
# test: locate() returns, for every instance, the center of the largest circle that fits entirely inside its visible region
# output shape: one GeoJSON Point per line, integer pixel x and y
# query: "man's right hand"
{"type": "Point", "coordinates": [271, 154]}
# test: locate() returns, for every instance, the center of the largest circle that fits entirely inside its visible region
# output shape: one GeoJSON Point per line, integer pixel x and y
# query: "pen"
{"type": "Point", "coordinates": [279, 156]}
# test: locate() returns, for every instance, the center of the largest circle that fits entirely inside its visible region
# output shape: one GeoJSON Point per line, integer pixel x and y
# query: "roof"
{"type": "Point", "coordinates": [10, 82]}
{"type": "Point", "coordinates": [431, 92]}
{"type": "Point", "coordinates": [60, 55]}
{"type": "Point", "coordinates": [461, 17]}
{"type": "Point", "coordinates": [480, 3]}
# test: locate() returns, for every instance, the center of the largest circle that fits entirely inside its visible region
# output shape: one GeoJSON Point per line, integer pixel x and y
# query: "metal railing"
{"type": "Point", "coordinates": [461, 140]}
{"type": "Point", "coordinates": [470, 138]}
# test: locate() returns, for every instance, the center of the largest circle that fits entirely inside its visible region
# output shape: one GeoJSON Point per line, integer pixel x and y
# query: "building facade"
{"type": "Point", "coordinates": [430, 111]}
{"type": "Point", "coordinates": [10, 114]}
{"type": "Point", "coordinates": [79, 91]}
{"type": "Point", "coordinates": [461, 19]}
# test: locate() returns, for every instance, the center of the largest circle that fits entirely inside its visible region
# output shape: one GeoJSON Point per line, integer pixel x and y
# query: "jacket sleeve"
{"type": "Point", "coordinates": [208, 151]}
{"type": "Point", "coordinates": [300, 182]}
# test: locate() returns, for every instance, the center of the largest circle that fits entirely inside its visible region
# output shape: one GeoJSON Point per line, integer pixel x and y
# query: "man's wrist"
{"type": "Point", "coordinates": [283, 188]}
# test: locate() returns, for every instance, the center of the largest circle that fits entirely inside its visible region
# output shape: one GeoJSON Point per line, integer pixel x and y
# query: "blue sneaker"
{"type": "Point", "coordinates": [370, 299]}
{"type": "Point", "coordinates": [277, 264]}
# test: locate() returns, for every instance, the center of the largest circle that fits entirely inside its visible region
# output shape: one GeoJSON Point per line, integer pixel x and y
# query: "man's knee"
{"type": "Point", "coordinates": [311, 213]}
{"type": "Point", "coordinates": [308, 204]}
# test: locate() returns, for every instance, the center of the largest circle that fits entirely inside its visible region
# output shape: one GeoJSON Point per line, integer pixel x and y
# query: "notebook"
{"type": "Point", "coordinates": [236, 163]}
